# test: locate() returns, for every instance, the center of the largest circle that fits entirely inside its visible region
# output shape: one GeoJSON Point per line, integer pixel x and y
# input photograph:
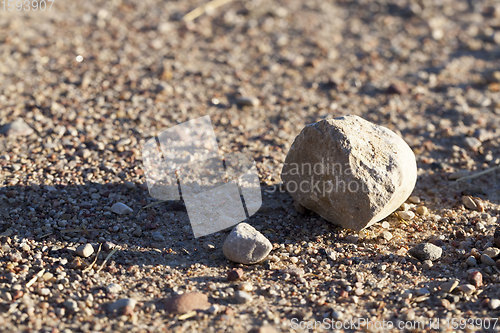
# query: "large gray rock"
{"type": "Point", "coordinates": [246, 245]}
{"type": "Point", "coordinates": [350, 171]}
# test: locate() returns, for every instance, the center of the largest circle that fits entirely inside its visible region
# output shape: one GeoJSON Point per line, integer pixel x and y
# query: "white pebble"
{"type": "Point", "coordinates": [406, 215]}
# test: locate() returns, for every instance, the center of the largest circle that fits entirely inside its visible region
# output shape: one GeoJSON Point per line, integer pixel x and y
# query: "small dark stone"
{"type": "Point", "coordinates": [497, 236]}
{"type": "Point", "coordinates": [476, 278]}
{"type": "Point", "coordinates": [397, 88]}
{"type": "Point", "coordinates": [426, 251]}
{"type": "Point", "coordinates": [235, 274]}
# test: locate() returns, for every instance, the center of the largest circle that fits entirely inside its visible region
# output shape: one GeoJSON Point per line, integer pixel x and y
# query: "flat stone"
{"type": "Point", "coordinates": [426, 251]}
{"type": "Point", "coordinates": [122, 306]}
{"type": "Point", "coordinates": [85, 250]}
{"type": "Point", "coordinates": [472, 143]}
{"type": "Point", "coordinates": [486, 259]}
{"type": "Point", "coordinates": [467, 288]}
{"type": "Point", "coordinates": [350, 171]}
{"type": "Point", "coordinates": [187, 302]}
{"type": "Point", "coordinates": [16, 128]}
{"type": "Point", "coordinates": [121, 209]}
{"type": "Point", "coordinates": [246, 245]}
{"type": "Point", "coordinates": [449, 286]}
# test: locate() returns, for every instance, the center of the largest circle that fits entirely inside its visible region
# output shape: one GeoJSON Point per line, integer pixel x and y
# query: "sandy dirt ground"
{"type": "Point", "coordinates": [94, 80]}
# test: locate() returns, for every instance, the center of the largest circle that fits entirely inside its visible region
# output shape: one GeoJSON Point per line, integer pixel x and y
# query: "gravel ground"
{"type": "Point", "coordinates": [94, 80]}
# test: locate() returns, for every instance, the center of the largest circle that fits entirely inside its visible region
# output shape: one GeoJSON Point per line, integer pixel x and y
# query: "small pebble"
{"type": "Point", "coordinates": [406, 215]}
{"type": "Point", "coordinates": [494, 303]}
{"type": "Point", "coordinates": [242, 297]}
{"type": "Point", "coordinates": [124, 306]}
{"type": "Point", "coordinates": [113, 288]}
{"type": "Point", "coordinates": [467, 288]}
{"type": "Point", "coordinates": [476, 278]}
{"type": "Point", "coordinates": [422, 210]}
{"type": "Point", "coordinates": [470, 203]}
{"type": "Point", "coordinates": [71, 306]}
{"type": "Point", "coordinates": [414, 199]}
{"type": "Point", "coordinates": [121, 209]}
{"type": "Point", "coordinates": [47, 276]}
{"type": "Point", "coordinates": [471, 261]}
{"type": "Point", "coordinates": [247, 101]}
{"type": "Point", "coordinates": [158, 236]}
{"type": "Point", "coordinates": [426, 251]}
{"type": "Point", "coordinates": [108, 246]}
{"type": "Point", "coordinates": [486, 259]}
{"type": "Point", "coordinates": [246, 245]}
{"type": "Point", "coordinates": [85, 250]}
{"type": "Point", "coordinates": [235, 274]}
{"type": "Point", "coordinates": [427, 264]}
{"type": "Point", "coordinates": [449, 286]}
{"type": "Point", "coordinates": [387, 235]}
{"type": "Point", "coordinates": [45, 291]}
{"type": "Point", "coordinates": [187, 302]}
{"type": "Point", "coordinates": [247, 286]}
{"type": "Point", "coordinates": [492, 252]}
{"type": "Point", "coordinates": [472, 143]}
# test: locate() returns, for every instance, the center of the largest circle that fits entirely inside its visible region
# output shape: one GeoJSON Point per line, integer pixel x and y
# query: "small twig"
{"type": "Point", "coordinates": [198, 11]}
{"type": "Point", "coordinates": [46, 235]}
{"type": "Point", "coordinates": [187, 315]}
{"type": "Point", "coordinates": [89, 267]}
{"type": "Point", "coordinates": [35, 277]}
{"type": "Point", "coordinates": [478, 174]}
{"type": "Point", "coordinates": [153, 204]}
{"type": "Point", "coordinates": [106, 260]}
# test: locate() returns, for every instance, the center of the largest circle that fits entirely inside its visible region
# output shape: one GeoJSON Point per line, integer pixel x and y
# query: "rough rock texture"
{"type": "Point", "coordinates": [426, 251]}
{"type": "Point", "coordinates": [350, 171]}
{"type": "Point", "coordinates": [246, 245]}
